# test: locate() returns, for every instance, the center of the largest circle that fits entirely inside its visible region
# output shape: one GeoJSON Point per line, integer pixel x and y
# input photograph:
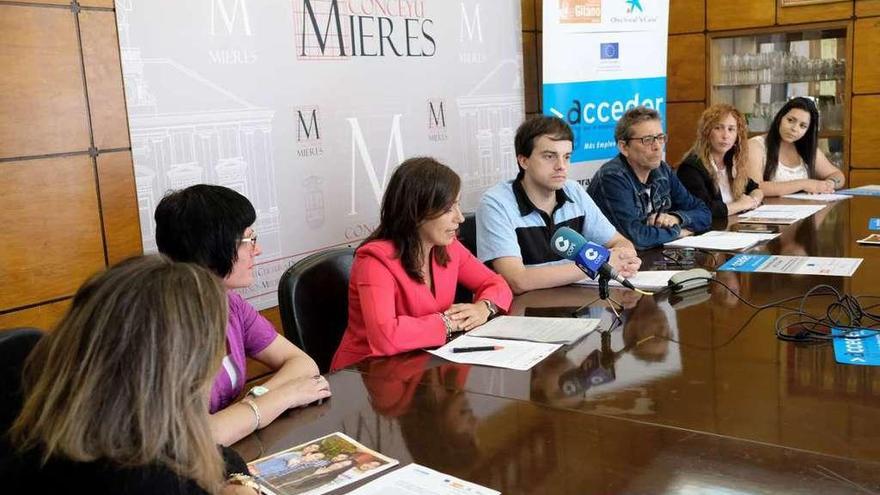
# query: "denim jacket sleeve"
{"type": "Point", "coordinates": [692, 211]}
{"type": "Point", "coordinates": [615, 195]}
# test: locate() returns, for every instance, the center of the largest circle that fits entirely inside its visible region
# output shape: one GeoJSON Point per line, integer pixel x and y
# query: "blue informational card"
{"type": "Point", "coordinates": [744, 263]}
{"type": "Point", "coordinates": [874, 224]}
{"type": "Point", "coordinates": [872, 190]}
{"type": "Point", "coordinates": [861, 347]}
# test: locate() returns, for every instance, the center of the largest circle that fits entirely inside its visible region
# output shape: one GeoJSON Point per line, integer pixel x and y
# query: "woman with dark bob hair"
{"type": "Point", "coordinates": [212, 226]}
{"type": "Point", "coordinates": [116, 397]}
{"type": "Point", "coordinates": [405, 273]}
{"type": "Point", "coordinates": [787, 159]}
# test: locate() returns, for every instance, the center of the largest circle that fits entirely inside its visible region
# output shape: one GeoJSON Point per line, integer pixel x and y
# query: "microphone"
{"type": "Point", "coordinates": [590, 257]}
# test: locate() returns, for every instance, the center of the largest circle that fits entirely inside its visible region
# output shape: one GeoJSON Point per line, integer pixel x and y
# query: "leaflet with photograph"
{"type": "Point", "coordinates": [869, 190]}
{"type": "Point", "coordinates": [318, 467]}
{"type": "Point", "coordinates": [537, 329]}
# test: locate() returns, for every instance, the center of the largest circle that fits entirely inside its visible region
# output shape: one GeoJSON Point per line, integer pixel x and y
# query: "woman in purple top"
{"type": "Point", "coordinates": [213, 227]}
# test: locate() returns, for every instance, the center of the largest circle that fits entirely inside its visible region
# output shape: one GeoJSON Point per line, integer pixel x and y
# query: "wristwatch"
{"type": "Point", "coordinates": [258, 391]}
{"type": "Point", "coordinates": [493, 309]}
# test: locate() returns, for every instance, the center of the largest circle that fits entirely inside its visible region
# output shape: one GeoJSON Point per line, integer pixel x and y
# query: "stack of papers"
{"type": "Point", "coordinates": [647, 280]}
{"type": "Point", "coordinates": [817, 197]}
{"type": "Point", "coordinates": [722, 240]}
{"type": "Point", "coordinates": [537, 329]}
{"type": "Point", "coordinates": [510, 354]}
{"type": "Point", "coordinates": [871, 190]}
{"type": "Point", "coordinates": [781, 214]}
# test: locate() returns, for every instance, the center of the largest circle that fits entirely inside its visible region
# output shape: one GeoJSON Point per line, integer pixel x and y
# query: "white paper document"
{"type": "Point", "coordinates": [722, 240]}
{"type": "Point", "coordinates": [537, 329]}
{"type": "Point", "coordinates": [817, 197]}
{"type": "Point", "coordinates": [514, 354]}
{"type": "Point", "coordinates": [781, 214]}
{"type": "Point", "coordinates": [646, 280]}
{"type": "Point", "coordinates": [414, 479]}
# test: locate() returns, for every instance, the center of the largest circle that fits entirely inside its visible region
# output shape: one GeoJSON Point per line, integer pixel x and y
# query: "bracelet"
{"type": "Point", "coordinates": [448, 324]}
{"type": "Point", "coordinates": [245, 481]}
{"type": "Point", "coordinates": [256, 410]}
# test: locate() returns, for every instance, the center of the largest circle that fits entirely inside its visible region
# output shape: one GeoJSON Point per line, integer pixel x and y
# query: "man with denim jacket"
{"type": "Point", "coordinates": [639, 193]}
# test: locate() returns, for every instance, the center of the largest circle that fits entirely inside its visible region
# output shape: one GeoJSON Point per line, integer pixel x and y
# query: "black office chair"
{"type": "Point", "coordinates": [15, 346]}
{"type": "Point", "coordinates": [467, 235]}
{"type": "Point", "coordinates": [313, 299]}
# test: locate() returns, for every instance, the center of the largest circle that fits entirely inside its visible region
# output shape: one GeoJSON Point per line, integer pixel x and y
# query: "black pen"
{"type": "Point", "coordinates": [477, 349]}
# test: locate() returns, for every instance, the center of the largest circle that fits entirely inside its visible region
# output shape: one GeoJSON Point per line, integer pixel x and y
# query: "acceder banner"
{"type": "Point", "coordinates": [601, 58]}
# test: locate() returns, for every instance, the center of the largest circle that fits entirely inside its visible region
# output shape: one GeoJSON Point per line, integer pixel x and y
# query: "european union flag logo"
{"type": "Point", "coordinates": [609, 51]}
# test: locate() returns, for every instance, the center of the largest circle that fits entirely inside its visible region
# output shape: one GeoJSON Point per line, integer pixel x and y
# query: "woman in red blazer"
{"type": "Point", "coordinates": [404, 276]}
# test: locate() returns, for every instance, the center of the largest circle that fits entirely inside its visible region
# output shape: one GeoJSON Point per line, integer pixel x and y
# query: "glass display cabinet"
{"type": "Point", "coordinates": [758, 71]}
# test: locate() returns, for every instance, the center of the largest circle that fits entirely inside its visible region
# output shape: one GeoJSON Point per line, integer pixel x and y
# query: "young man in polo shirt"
{"type": "Point", "coordinates": [516, 219]}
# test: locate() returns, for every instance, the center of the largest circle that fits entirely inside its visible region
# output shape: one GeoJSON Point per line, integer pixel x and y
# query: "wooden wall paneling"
{"type": "Point", "coordinates": [528, 15]}
{"type": "Point", "coordinates": [681, 126]}
{"type": "Point", "coordinates": [42, 104]}
{"type": "Point", "coordinates": [865, 133]}
{"type": "Point", "coordinates": [814, 13]}
{"type": "Point", "coordinates": [104, 78]}
{"type": "Point", "coordinates": [866, 56]}
{"type": "Point", "coordinates": [864, 177]}
{"type": "Point", "coordinates": [539, 14]}
{"type": "Point", "coordinates": [97, 3]}
{"type": "Point", "coordinates": [687, 16]}
{"type": "Point", "coordinates": [51, 2]}
{"type": "Point", "coordinates": [686, 68]}
{"type": "Point", "coordinates": [44, 316]}
{"type": "Point", "coordinates": [865, 8]}
{"type": "Point", "coordinates": [51, 229]}
{"type": "Point", "coordinates": [531, 67]}
{"type": "Point", "coordinates": [724, 14]}
{"type": "Point", "coordinates": [119, 205]}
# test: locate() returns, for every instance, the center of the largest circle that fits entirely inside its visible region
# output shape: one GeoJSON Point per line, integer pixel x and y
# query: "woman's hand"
{"type": "Point", "coordinates": [758, 196]}
{"type": "Point", "coordinates": [468, 316]}
{"type": "Point", "coordinates": [819, 186]}
{"type": "Point", "coordinates": [305, 390]}
{"type": "Point", "coordinates": [625, 260]}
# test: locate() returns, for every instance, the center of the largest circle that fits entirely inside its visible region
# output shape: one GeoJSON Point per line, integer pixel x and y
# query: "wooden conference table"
{"type": "Point", "coordinates": [689, 395]}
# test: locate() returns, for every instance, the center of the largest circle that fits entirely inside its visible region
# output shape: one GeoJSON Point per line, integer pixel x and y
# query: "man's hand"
{"type": "Point", "coordinates": [625, 260]}
{"type": "Point", "coordinates": [662, 220]}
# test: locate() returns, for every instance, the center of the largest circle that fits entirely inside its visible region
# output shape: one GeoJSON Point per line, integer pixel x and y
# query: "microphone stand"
{"type": "Point", "coordinates": [605, 296]}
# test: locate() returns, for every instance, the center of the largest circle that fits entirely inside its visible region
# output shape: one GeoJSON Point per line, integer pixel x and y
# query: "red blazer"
{"type": "Point", "coordinates": [390, 313]}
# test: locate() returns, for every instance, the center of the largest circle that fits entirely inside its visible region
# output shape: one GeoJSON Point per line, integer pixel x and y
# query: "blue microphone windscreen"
{"type": "Point", "coordinates": [566, 243]}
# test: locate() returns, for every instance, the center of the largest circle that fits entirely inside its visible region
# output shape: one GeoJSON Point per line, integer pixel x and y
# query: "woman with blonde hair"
{"type": "Point", "coordinates": [715, 168]}
{"type": "Point", "coordinates": [116, 398]}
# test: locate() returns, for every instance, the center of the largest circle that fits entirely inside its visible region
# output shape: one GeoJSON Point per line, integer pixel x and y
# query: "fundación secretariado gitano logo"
{"type": "Point", "coordinates": [580, 11]}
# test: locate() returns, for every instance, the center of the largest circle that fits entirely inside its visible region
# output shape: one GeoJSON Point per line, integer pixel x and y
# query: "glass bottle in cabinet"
{"type": "Point", "coordinates": [757, 72]}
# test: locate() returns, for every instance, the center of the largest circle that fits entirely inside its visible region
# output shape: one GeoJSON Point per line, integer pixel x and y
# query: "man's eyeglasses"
{"type": "Point", "coordinates": [649, 140]}
{"type": "Point", "coordinates": [251, 239]}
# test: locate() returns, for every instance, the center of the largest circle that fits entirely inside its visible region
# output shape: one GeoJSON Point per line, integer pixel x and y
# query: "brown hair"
{"type": "Point", "coordinates": [529, 131]}
{"type": "Point", "coordinates": [126, 374]}
{"type": "Point", "coordinates": [735, 159]}
{"type": "Point", "coordinates": [632, 117]}
{"type": "Point", "coordinates": [420, 189]}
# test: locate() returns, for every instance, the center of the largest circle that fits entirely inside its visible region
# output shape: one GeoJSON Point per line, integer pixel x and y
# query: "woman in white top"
{"type": "Point", "coordinates": [787, 160]}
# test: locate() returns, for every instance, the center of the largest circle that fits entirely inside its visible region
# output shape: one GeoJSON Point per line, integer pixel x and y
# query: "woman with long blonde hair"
{"type": "Point", "coordinates": [715, 168]}
{"type": "Point", "coordinates": [116, 398]}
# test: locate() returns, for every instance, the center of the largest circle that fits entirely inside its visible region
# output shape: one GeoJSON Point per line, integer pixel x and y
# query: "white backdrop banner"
{"type": "Point", "coordinates": [601, 58]}
{"type": "Point", "coordinates": [306, 107]}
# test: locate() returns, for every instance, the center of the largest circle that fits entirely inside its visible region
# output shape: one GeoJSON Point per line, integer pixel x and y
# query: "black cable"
{"type": "Point", "coordinates": [845, 313]}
